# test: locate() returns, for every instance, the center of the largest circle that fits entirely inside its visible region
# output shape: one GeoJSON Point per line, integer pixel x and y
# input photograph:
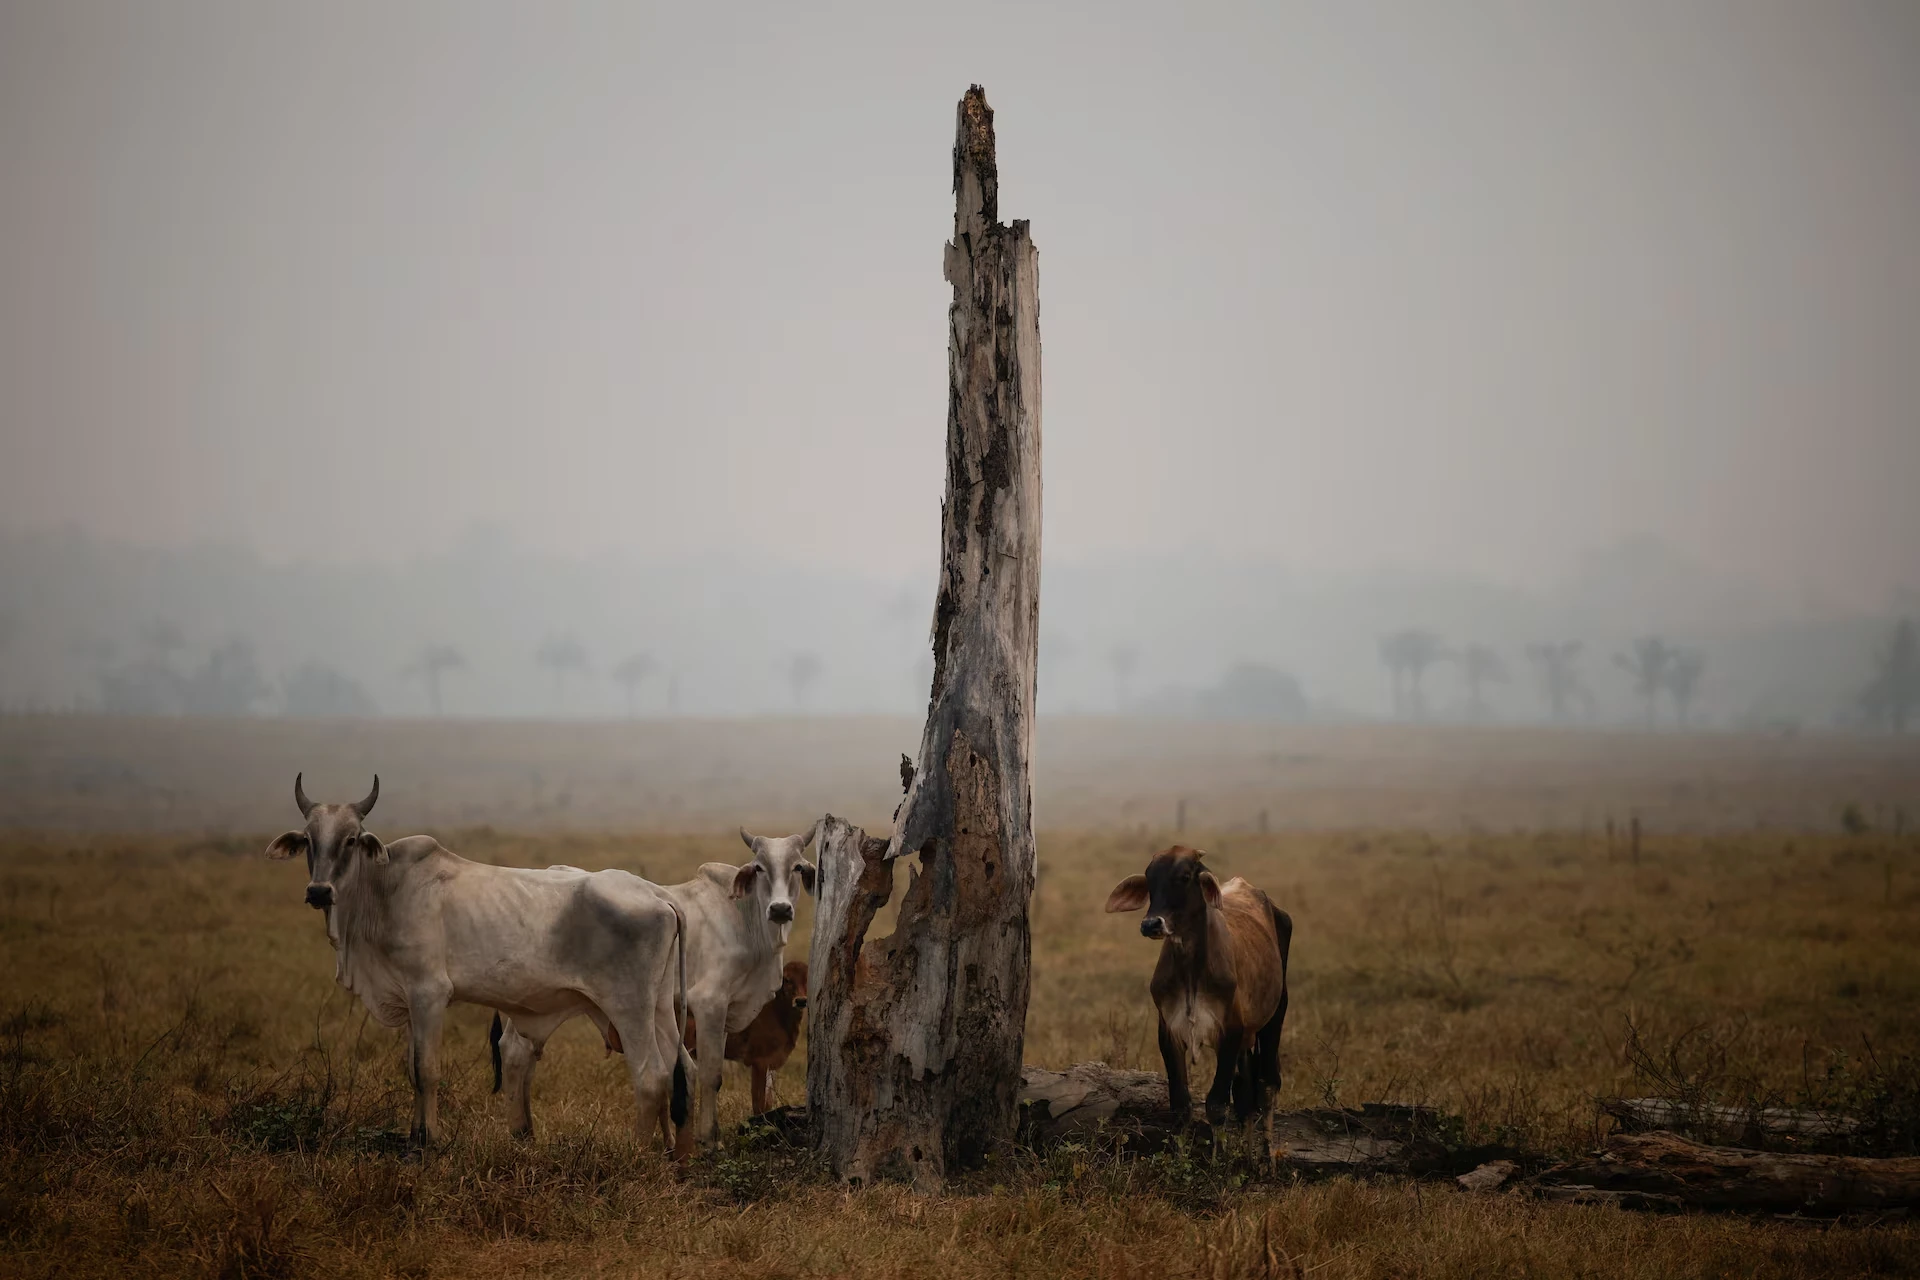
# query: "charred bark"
{"type": "Point", "coordinates": [914, 1056]}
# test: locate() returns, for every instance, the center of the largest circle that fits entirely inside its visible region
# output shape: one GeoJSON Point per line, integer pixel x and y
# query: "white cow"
{"type": "Point", "coordinates": [416, 927]}
{"type": "Point", "coordinates": [738, 919]}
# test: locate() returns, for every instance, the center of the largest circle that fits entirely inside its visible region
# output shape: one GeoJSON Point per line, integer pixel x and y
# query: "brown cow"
{"type": "Point", "coordinates": [767, 1042]}
{"type": "Point", "coordinates": [1221, 982]}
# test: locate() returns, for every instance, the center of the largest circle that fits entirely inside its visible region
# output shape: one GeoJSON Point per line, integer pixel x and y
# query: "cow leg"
{"type": "Point", "coordinates": [425, 1014]}
{"type": "Point", "coordinates": [761, 1079]}
{"type": "Point", "coordinates": [517, 1055]}
{"type": "Point", "coordinates": [710, 1059]}
{"type": "Point", "coordinates": [1226, 1063]}
{"type": "Point", "coordinates": [1248, 1087]}
{"type": "Point", "coordinates": [520, 1047]}
{"type": "Point", "coordinates": [1174, 1055]}
{"type": "Point", "coordinates": [1267, 1051]}
{"type": "Point", "coordinates": [651, 1054]}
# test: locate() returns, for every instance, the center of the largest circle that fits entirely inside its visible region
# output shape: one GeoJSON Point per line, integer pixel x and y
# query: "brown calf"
{"type": "Point", "coordinates": [1221, 982]}
{"type": "Point", "coordinates": [767, 1042]}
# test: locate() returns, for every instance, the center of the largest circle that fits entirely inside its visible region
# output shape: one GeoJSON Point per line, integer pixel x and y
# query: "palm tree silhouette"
{"type": "Point", "coordinates": [1480, 665]}
{"type": "Point", "coordinates": [427, 666]}
{"type": "Point", "coordinates": [1894, 693]}
{"type": "Point", "coordinates": [1408, 653]}
{"type": "Point", "coordinates": [1684, 670]}
{"type": "Point", "coordinates": [632, 672]}
{"type": "Point", "coordinates": [561, 654]}
{"type": "Point", "coordinates": [1556, 662]}
{"type": "Point", "coordinates": [1647, 662]}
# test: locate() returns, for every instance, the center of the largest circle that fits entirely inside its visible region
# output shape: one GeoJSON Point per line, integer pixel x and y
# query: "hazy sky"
{"type": "Point", "coordinates": [1476, 285]}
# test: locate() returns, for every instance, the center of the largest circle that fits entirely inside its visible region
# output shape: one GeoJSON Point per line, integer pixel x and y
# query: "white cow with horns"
{"type": "Point", "coordinates": [737, 923]}
{"type": "Point", "coordinates": [738, 919]}
{"type": "Point", "coordinates": [415, 927]}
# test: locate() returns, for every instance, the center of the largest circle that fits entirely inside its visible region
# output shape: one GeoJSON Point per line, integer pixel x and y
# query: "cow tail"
{"type": "Point", "coordinates": [683, 1064]}
{"type": "Point", "coordinates": [1269, 1066]}
{"type": "Point", "coordinates": [493, 1045]}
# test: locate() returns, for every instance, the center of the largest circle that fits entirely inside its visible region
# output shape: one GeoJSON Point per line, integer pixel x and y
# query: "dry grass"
{"type": "Point", "coordinates": [184, 1091]}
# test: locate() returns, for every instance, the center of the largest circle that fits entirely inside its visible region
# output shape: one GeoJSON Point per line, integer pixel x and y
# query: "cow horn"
{"type": "Point", "coordinates": [300, 797]}
{"type": "Point", "coordinates": [365, 807]}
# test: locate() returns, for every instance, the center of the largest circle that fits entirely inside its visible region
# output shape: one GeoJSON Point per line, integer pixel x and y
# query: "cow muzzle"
{"type": "Point", "coordinates": [1153, 927]}
{"type": "Point", "coordinates": [780, 912]}
{"type": "Point", "coordinates": [320, 896]}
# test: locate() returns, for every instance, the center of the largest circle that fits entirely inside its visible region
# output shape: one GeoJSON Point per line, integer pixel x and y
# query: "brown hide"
{"type": "Point", "coordinates": [1238, 973]}
{"type": "Point", "coordinates": [1221, 980]}
{"type": "Point", "coordinates": [769, 1039]}
{"type": "Point", "coordinates": [766, 1043]}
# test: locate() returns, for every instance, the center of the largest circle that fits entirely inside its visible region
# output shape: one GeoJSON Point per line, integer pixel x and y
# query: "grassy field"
{"type": "Point", "coordinates": [184, 1091]}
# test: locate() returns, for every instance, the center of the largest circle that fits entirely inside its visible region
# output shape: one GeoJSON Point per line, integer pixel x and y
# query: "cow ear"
{"type": "Point", "coordinates": [809, 874]}
{"type": "Point", "coordinates": [370, 844]}
{"type": "Point", "coordinates": [286, 844]}
{"type": "Point", "coordinates": [1210, 888]}
{"type": "Point", "coordinates": [743, 880]}
{"type": "Point", "coordinates": [1129, 895]}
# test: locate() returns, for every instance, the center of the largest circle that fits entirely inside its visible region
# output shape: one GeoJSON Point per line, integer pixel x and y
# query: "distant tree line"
{"type": "Point", "coordinates": [226, 682]}
{"type": "Point", "coordinates": [1656, 668]}
{"type": "Point", "coordinates": [1658, 672]}
{"type": "Point", "coordinates": [153, 679]}
{"type": "Point", "coordinates": [156, 675]}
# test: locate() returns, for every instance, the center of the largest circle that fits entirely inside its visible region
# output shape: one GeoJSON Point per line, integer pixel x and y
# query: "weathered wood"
{"type": "Point", "coordinates": [1091, 1101]}
{"type": "Point", "coordinates": [1126, 1111]}
{"type": "Point", "coordinates": [1664, 1171]}
{"type": "Point", "coordinates": [1731, 1126]}
{"type": "Point", "coordinates": [1071, 1103]}
{"type": "Point", "coordinates": [914, 1064]}
{"type": "Point", "coordinates": [1490, 1176]}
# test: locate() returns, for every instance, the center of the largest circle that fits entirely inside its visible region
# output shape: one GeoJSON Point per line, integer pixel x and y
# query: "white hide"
{"type": "Point", "coordinates": [423, 927]}
{"type": "Point", "coordinates": [736, 950]}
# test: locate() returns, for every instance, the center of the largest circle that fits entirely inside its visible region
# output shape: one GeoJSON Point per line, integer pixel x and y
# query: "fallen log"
{"type": "Point", "coordinates": [1091, 1101]}
{"type": "Point", "coordinates": [1728, 1126]}
{"type": "Point", "coordinates": [1373, 1139]}
{"type": "Point", "coordinates": [1665, 1171]}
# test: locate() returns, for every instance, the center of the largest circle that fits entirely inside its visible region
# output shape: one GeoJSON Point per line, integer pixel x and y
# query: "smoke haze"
{"type": "Point", "coordinates": [1336, 297]}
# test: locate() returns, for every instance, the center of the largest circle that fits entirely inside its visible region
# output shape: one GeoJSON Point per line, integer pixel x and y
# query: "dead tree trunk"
{"type": "Point", "coordinates": [914, 1056]}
